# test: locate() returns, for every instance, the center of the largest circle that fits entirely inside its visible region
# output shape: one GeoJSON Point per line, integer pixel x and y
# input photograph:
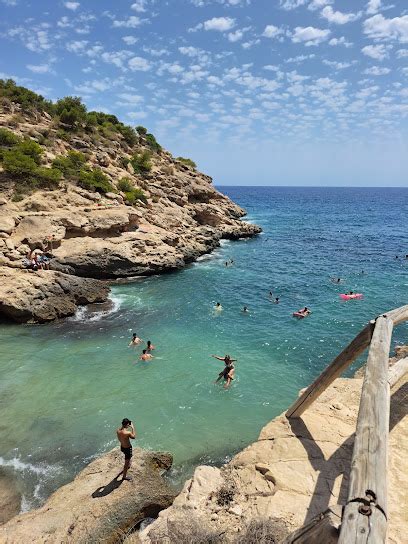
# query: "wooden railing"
{"type": "Point", "coordinates": [364, 517]}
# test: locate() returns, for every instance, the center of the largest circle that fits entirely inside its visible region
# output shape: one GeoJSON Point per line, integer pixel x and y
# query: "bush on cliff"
{"type": "Point", "coordinates": [132, 194]}
{"type": "Point", "coordinates": [95, 180]}
{"type": "Point", "coordinates": [153, 143]}
{"type": "Point", "coordinates": [187, 162]}
{"type": "Point", "coordinates": [141, 162]}
{"type": "Point", "coordinates": [8, 138]}
{"type": "Point", "coordinates": [71, 112]}
{"type": "Point", "coordinates": [26, 98]}
{"type": "Point", "coordinates": [70, 165]}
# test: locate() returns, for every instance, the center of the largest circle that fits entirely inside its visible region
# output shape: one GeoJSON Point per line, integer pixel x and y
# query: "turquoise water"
{"type": "Point", "coordinates": [65, 387]}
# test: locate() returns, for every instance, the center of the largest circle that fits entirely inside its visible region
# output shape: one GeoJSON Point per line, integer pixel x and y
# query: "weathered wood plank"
{"type": "Point", "coordinates": [397, 371]}
{"type": "Point", "coordinates": [398, 315]}
{"type": "Point", "coordinates": [322, 528]}
{"type": "Point", "coordinates": [333, 371]}
{"type": "Point", "coordinates": [368, 476]}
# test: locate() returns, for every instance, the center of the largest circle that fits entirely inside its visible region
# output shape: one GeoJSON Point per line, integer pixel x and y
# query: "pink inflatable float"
{"type": "Point", "coordinates": [350, 297]}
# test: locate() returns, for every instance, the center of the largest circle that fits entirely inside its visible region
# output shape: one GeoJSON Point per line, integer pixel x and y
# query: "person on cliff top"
{"type": "Point", "coordinates": [146, 356]}
{"type": "Point", "coordinates": [125, 433]}
{"type": "Point", "coordinates": [149, 346]}
{"type": "Point", "coordinates": [135, 340]}
{"type": "Point", "coordinates": [228, 372]}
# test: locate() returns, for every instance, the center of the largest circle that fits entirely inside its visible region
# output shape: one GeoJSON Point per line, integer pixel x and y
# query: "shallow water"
{"type": "Point", "coordinates": [65, 387]}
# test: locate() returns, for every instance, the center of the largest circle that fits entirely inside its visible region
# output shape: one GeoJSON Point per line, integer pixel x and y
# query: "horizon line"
{"type": "Point", "coordinates": [322, 186]}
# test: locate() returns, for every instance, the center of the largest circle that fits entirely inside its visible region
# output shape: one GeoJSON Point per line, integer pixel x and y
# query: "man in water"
{"type": "Point", "coordinates": [218, 307]}
{"type": "Point", "coordinates": [245, 310]}
{"type": "Point", "coordinates": [146, 356]}
{"type": "Point", "coordinates": [135, 340]}
{"type": "Point", "coordinates": [125, 433]}
{"type": "Point", "coordinates": [228, 372]}
{"type": "Point", "coordinates": [149, 346]}
{"type": "Point", "coordinates": [277, 300]}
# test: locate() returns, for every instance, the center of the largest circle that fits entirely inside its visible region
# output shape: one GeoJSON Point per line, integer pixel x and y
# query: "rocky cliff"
{"type": "Point", "coordinates": [102, 202]}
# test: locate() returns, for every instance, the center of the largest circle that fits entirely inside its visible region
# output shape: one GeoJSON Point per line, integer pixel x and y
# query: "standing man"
{"type": "Point", "coordinates": [124, 434]}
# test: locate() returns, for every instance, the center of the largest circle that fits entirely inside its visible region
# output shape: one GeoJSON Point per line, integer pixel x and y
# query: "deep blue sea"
{"type": "Point", "coordinates": [65, 386]}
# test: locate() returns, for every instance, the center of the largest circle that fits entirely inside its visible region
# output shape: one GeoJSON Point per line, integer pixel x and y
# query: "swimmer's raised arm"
{"type": "Point", "coordinates": [216, 357]}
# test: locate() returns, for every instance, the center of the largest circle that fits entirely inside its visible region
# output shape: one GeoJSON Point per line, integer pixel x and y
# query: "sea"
{"type": "Point", "coordinates": [65, 387]}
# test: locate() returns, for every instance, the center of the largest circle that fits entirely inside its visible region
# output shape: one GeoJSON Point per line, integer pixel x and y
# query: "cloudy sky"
{"type": "Point", "coordinates": [258, 92]}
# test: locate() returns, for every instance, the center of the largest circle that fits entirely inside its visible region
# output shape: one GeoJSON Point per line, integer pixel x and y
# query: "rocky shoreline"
{"type": "Point", "coordinates": [94, 237]}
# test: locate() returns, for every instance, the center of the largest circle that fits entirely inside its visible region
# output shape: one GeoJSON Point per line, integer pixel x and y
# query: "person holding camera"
{"type": "Point", "coordinates": [125, 433]}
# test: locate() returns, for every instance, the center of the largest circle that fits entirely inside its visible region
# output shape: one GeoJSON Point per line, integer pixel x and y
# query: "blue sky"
{"type": "Point", "coordinates": [258, 92]}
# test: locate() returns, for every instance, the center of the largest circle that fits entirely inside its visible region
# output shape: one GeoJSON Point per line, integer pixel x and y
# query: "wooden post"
{"type": "Point", "coordinates": [323, 529]}
{"type": "Point", "coordinates": [333, 371]}
{"type": "Point", "coordinates": [397, 371]}
{"type": "Point", "coordinates": [365, 514]}
{"type": "Point", "coordinates": [398, 315]}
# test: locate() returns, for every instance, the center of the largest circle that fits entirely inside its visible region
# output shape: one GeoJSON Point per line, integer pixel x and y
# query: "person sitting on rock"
{"type": "Point", "coordinates": [124, 436]}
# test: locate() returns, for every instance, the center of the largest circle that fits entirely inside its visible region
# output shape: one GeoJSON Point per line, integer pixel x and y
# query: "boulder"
{"type": "Point", "coordinates": [97, 506]}
{"type": "Point", "coordinates": [34, 230]}
{"type": "Point", "coordinates": [3, 201]}
{"type": "Point", "coordinates": [10, 497]}
{"type": "Point", "coordinates": [7, 224]}
{"type": "Point", "coordinates": [37, 297]}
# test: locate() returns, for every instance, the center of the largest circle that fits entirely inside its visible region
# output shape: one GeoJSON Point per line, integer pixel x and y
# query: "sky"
{"type": "Point", "coordinates": [257, 92]}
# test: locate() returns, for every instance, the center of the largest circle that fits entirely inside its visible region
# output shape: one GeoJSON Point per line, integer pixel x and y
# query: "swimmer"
{"type": "Point", "coordinates": [245, 310]}
{"type": "Point", "coordinates": [150, 346]}
{"type": "Point", "coordinates": [229, 370]}
{"type": "Point", "coordinates": [135, 340]}
{"type": "Point", "coordinates": [146, 356]}
{"type": "Point", "coordinates": [304, 311]}
{"type": "Point", "coordinates": [276, 301]}
{"type": "Point", "coordinates": [226, 263]}
{"type": "Point", "coordinates": [218, 307]}
{"type": "Point", "coordinates": [270, 294]}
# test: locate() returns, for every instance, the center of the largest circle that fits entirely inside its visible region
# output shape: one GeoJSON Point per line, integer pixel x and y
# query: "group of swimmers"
{"type": "Point", "coordinates": [146, 353]}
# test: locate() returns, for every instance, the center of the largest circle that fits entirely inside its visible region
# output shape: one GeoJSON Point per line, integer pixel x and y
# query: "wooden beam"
{"type": "Point", "coordinates": [397, 371]}
{"type": "Point", "coordinates": [398, 315]}
{"type": "Point", "coordinates": [367, 497]}
{"type": "Point", "coordinates": [333, 371]}
{"type": "Point", "coordinates": [324, 528]}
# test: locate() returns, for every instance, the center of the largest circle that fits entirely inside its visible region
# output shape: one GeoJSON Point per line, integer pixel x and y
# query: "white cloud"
{"type": "Point", "coordinates": [317, 4]}
{"type": "Point", "coordinates": [378, 52]}
{"type": "Point", "coordinates": [39, 68]}
{"type": "Point", "coordinates": [310, 35]}
{"type": "Point", "coordinates": [291, 4]}
{"type": "Point", "coordinates": [129, 98]}
{"type": "Point", "coordinates": [377, 71]}
{"type": "Point", "coordinates": [137, 115]}
{"type": "Point", "coordinates": [272, 31]}
{"type": "Point", "coordinates": [338, 17]}
{"type": "Point", "coordinates": [117, 58]}
{"type": "Point", "coordinates": [235, 36]}
{"type": "Point", "coordinates": [402, 53]}
{"type": "Point", "coordinates": [35, 39]}
{"type": "Point", "coordinates": [139, 64]}
{"type": "Point", "coordinates": [337, 65]}
{"type": "Point", "coordinates": [378, 27]}
{"type": "Point", "coordinates": [340, 41]}
{"type": "Point", "coordinates": [131, 22]}
{"type": "Point", "coordinates": [129, 40]}
{"type": "Point", "coordinates": [139, 6]}
{"type": "Point", "coordinates": [72, 5]}
{"type": "Point", "coordinates": [221, 24]}
{"type": "Point", "coordinates": [299, 58]}
{"type": "Point", "coordinates": [77, 46]}
{"type": "Point", "coordinates": [373, 7]}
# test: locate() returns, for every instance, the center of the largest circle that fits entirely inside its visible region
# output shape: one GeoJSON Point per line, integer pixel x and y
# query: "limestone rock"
{"type": "Point", "coordinates": [3, 201]}
{"type": "Point", "coordinates": [45, 295]}
{"type": "Point", "coordinates": [7, 224]}
{"type": "Point", "coordinates": [97, 506]}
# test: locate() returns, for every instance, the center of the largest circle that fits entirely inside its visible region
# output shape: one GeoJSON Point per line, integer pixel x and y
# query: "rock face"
{"type": "Point", "coordinates": [99, 236]}
{"type": "Point", "coordinates": [292, 473]}
{"type": "Point", "coordinates": [45, 295]}
{"type": "Point", "coordinates": [97, 506]}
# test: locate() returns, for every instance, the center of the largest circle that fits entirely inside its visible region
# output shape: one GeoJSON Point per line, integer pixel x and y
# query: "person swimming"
{"type": "Point", "coordinates": [218, 307]}
{"type": "Point", "coordinates": [135, 340]}
{"type": "Point", "coordinates": [149, 346]}
{"type": "Point", "coordinates": [146, 356]}
{"type": "Point", "coordinates": [229, 370]}
{"type": "Point", "coordinates": [276, 301]}
{"type": "Point", "coordinates": [245, 310]}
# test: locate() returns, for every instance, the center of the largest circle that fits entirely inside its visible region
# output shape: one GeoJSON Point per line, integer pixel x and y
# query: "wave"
{"type": "Point", "coordinates": [20, 466]}
{"type": "Point", "coordinates": [88, 313]}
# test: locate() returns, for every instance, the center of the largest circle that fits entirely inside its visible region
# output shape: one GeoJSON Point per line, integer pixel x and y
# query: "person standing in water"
{"type": "Point", "coordinates": [135, 340]}
{"type": "Point", "coordinates": [125, 433]}
{"type": "Point", "coordinates": [149, 346]}
{"type": "Point", "coordinates": [146, 356]}
{"type": "Point", "coordinates": [228, 372]}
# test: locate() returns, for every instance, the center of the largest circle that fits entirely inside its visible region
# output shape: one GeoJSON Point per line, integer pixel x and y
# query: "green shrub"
{"type": "Point", "coordinates": [17, 164]}
{"type": "Point", "coordinates": [141, 130]}
{"type": "Point", "coordinates": [17, 197]}
{"type": "Point", "coordinates": [134, 195]}
{"type": "Point", "coordinates": [123, 162]}
{"type": "Point", "coordinates": [152, 143]}
{"type": "Point", "coordinates": [8, 138]}
{"type": "Point", "coordinates": [70, 165]}
{"type": "Point", "coordinates": [141, 162]}
{"type": "Point", "coordinates": [95, 180]}
{"type": "Point", "coordinates": [128, 134]}
{"type": "Point", "coordinates": [71, 111]}
{"type": "Point", "coordinates": [187, 162]}
{"type": "Point", "coordinates": [20, 95]}
{"type": "Point", "coordinates": [47, 177]}
{"type": "Point", "coordinates": [31, 149]}
{"type": "Point", "coordinates": [125, 184]}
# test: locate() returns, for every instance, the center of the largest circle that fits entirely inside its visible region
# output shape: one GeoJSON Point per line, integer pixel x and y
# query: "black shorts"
{"type": "Point", "coordinates": [127, 451]}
